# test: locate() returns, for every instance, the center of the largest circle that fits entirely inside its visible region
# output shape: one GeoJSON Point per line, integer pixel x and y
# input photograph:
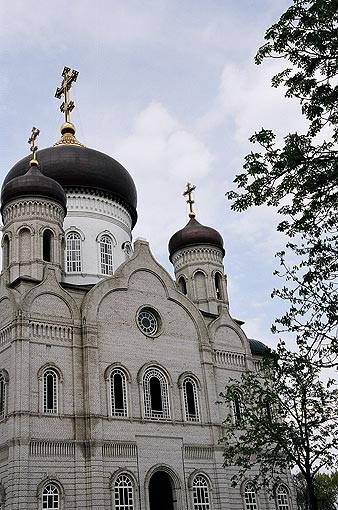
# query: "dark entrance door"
{"type": "Point", "coordinates": [160, 492]}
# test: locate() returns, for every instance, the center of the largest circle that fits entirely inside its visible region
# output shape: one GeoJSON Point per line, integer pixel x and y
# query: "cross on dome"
{"type": "Point", "coordinates": [67, 106]}
{"type": "Point", "coordinates": [190, 201]}
{"type": "Point", "coordinates": [31, 140]}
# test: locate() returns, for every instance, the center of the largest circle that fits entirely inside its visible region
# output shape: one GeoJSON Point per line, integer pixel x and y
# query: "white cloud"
{"type": "Point", "coordinates": [162, 155]}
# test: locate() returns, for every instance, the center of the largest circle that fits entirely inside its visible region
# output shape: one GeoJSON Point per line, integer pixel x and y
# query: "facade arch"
{"type": "Point", "coordinates": [172, 478]}
{"type": "Point", "coordinates": [200, 488]}
{"type": "Point", "coordinates": [6, 244]}
{"type": "Point", "coordinates": [50, 389]}
{"type": "Point", "coordinates": [155, 393]}
{"type": "Point", "coordinates": [124, 490]}
{"type": "Point", "coordinates": [282, 497]}
{"type": "Point", "coordinates": [190, 386]}
{"type": "Point", "coordinates": [74, 242]}
{"type": "Point", "coordinates": [4, 383]}
{"type": "Point", "coordinates": [249, 495]}
{"type": "Point", "coordinates": [106, 245]}
{"type": "Point", "coordinates": [118, 381]}
{"type": "Point", "coordinates": [50, 494]}
{"type": "Point", "coordinates": [182, 284]}
{"type": "Point", "coordinates": [218, 285]}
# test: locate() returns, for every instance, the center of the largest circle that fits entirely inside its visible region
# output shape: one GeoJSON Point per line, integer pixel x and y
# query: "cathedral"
{"type": "Point", "coordinates": [110, 369]}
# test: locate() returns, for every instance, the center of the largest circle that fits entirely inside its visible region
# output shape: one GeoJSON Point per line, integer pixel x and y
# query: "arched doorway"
{"type": "Point", "coordinates": [161, 492]}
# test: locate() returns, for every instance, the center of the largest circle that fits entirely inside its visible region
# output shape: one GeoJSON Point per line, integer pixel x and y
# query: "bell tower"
{"type": "Point", "coordinates": [33, 209]}
{"type": "Point", "coordinates": [197, 253]}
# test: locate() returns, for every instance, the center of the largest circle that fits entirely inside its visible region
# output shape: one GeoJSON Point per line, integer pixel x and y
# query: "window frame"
{"type": "Point", "coordinates": [250, 496]}
{"type": "Point", "coordinates": [106, 268]}
{"type": "Point", "coordinates": [282, 505]}
{"type": "Point", "coordinates": [201, 493]}
{"type": "Point", "coordinates": [150, 413]}
{"type": "Point", "coordinates": [76, 253]}
{"type": "Point", "coordinates": [113, 412]}
{"type": "Point", "coordinates": [55, 397]}
{"type": "Point", "coordinates": [3, 395]}
{"type": "Point", "coordinates": [130, 486]}
{"type": "Point", "coordinates": [50, 484]}
{"type": "Point", "coordinates": [196, 418]}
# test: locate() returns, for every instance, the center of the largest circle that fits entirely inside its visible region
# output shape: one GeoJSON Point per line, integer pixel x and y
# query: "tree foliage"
{"type": "Point", "coordinates": [326, 487]}
{"type": "Point", "coordinates": [288, 419]}
{"type": "Point", "coordinates": [299, 175]}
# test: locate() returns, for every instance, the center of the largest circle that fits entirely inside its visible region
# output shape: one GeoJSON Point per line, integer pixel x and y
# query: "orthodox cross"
{"type": "Point", "coordinates": [32, 139]}
{"type": "Point", "coordinates": [190, 201]}
{"type": "Point", "coordinates": [67, 105]}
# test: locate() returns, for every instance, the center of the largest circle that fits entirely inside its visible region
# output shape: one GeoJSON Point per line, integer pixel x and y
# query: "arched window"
{"type": "Point", "coordinates": [6, 252]}
{"type": "Point", "coordinates": [201, 494]}
{"type": "Point", "coordinates": [156, 399]}
{"type": "Point", "coordinates": [118, 393]}
{"type": "Point", "coordinates": [73, 247]}
{"type": "Point", "coordinates": [200, 285]}
{"type": "Point", "coordinates": [218, 286]}
{"type": "Point", "coordinates": [3, 396]}
{"type": "Point", "coordinates": [51, 497]}
{"type": "Point", "coordinates": [106, 254]}
{"type": "Point", "coordinates": [123, 493]}
{"type": "Point", "coordinates": [47, 238]}
{"type": "Point", "coordinates": [282, 498]}
{"type": "Point", "coordinates": [50, 391]}
{"type": "Point", "coordinates": [25, 239]}
{"type": "Point", "coordinates": [190, 399]}
{"type": "Point", "coordinates": [237, 407]}
{"type": "Point", "coordinates": [182, 284]}
{"type": "Point", "coordinates": [250, 497]}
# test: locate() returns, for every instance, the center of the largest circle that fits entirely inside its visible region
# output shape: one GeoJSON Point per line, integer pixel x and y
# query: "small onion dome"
{"type": "Point", "coordinates": [34, 184]}
{"type": "Point", "coordinates": [193, 234]}
{"type": "Point", "coordinates": [258, 348]}
{"type": "Point", "coordinates": [75, 167]}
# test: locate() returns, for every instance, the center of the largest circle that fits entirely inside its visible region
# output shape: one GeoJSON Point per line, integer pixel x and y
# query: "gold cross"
{"type": "Point", "coordinates": [190, 201]}
{"type": "Point", "coordinates": [31, 141]}
{"type": "Point", "coordinates": [67, 105]}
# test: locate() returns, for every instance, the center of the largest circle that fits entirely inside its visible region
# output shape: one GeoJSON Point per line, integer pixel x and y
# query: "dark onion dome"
{"type": "Point", "coordinates": [258, 348]}
{"type": "Point", "coordinates": [193, 234]}
{"type": "Point", "coordinates": [34, 184]}
{"type": "Point", "coordinates": [75, 166]}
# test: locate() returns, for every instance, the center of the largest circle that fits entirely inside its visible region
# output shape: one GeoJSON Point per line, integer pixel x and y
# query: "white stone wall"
{"type": "Point", "coordinates": [92, 216]}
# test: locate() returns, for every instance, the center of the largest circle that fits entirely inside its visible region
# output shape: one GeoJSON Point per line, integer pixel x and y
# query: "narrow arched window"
{"type": "Point", "coordinates": [123, 493]}
{"type": "Point", "coordinates": [47, 238]}
{"type": "Point", "coordinates": [282, 498]}
{"type": "Point", "coordinates": [6, 252]}
{"type": "Point", "coordinates": [73, 249]}
{"type": "Point", "coordinates": [156, 398]}
{"type": "Point", "coordinates": [218, 286]}
{"type": "Point", "coordinates": [190, 400]}
{"type": "Point", "coordinates": [201, 494]}
{"type": "Point", "coordinates": [25, 244]}
{"type": "Point", "coordinates": [106, 254]}
{"type": "Point", "coordinates": [182, 284]}
{"type": "Point", "coordinates": [3, 397]}
{"type": "Point", "coordinates": [237, 407]}
{"type": "Point", "coordinates": [50, 392]}
{"type": "Point", "coordinates": [51, 497]}
{"type": "Point", "coordinates": [118, 393]}
{"type": "Point", "coordinates": [250, 497]}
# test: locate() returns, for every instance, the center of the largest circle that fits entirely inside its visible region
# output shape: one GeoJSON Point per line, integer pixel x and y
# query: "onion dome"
{"type": "Point", "coordinates": [75, 166]}
{"type": "Point", "coordinates": [32, 183]}
{"type": "Point", "coordinates": [194, 234]}
{"type": "Point", "coordinates": [258, 348]}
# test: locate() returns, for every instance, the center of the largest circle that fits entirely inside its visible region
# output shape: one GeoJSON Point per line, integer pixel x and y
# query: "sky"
{"type": "Point", "coordinates": [169, 88]}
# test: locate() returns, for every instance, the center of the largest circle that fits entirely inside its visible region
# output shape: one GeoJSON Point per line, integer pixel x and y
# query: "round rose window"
{"type": "Point", "coordinates": [147, 322]}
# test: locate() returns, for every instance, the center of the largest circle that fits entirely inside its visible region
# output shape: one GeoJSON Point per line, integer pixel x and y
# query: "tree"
{"type": "Point", "coordinates": [287, 419]}
{"type": "Point", "coordinates": [300, 175]}
{"type": "Point", "coordinates": [326, 487]}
